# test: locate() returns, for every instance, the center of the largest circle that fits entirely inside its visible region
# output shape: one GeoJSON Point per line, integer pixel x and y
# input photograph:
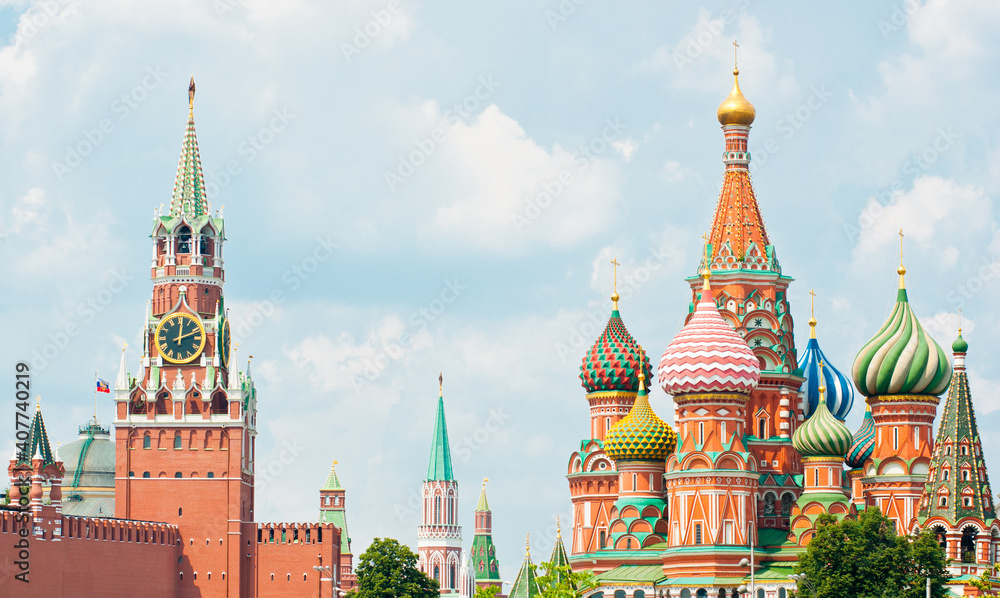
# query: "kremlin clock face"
{"type": "Point", "coordinates": [180, 338]}
{"type": "Point", "coordinates": [225, 340]}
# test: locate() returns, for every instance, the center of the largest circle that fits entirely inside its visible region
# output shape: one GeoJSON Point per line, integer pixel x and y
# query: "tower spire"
{"type": "Point", "coordinates": [440, 467]}
{"type": "Point", "coordinates": [614, 294]}
{"type": "Point", "coordinates": [189, 197]}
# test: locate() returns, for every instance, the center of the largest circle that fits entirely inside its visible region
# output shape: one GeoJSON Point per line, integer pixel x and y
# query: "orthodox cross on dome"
{"type": "Point", "coordinates": [812, 313]}
{"type": "Point", "coordinates": [614, 294]}
{"type": "Point", "coordinates": [901, 270]}
{"type": "Point", "coordinates": [960, 321]}
{"type": "Point", "coordinates": [736, 59]}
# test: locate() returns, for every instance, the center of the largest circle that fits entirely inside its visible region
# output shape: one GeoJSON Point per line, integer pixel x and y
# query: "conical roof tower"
{"type": "Point", "coordinates": [189, 198]}
{"type": "Point", "coordinates": [37, 442]}
{"type": "Point", "coordinates": [484, 553]}
{"type": "Point", "coordinates": [958, 486]}
{"type": "Point", "coordinates": [525, 584]}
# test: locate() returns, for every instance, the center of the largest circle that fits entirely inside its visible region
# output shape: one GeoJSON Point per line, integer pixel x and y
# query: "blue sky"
{"type": "Point", "coordinates": [475, 240]}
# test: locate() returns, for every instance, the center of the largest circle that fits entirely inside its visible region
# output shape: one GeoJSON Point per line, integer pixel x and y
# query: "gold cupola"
{"type": "Point", "coordinates": [736, 109]}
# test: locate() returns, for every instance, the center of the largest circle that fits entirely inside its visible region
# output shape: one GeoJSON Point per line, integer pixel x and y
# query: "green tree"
{"type": "Point", "coordinates": [486, 592]}
{"type": "Point", "coordinates": [864, 558]}
{"type": "Point", "coordinates": [562, 582]}
{"type": "Point", "coordinates": [984, 584]}
{"type": "Point", "coordinates": [388, 569]}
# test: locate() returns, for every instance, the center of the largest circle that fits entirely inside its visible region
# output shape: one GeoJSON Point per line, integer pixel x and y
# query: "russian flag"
{"type": "Point", "coordinates": [103, 386]}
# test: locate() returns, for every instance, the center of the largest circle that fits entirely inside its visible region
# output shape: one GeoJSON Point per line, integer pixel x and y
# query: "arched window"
{"type": "Point", "coordinates": [603, 540]}
{"type": "Point", "coordinates": [895, 437]}
{"type": "Point", "coordinates": [211, 474]}
{"type": "Point", "coordinates": [965, 475]}
{"type": "Point", "coordinates": [437, 573]}
{"type": "Point", "coordinates": [701, 432]}
{"type": "Point", "coordinates": [965, 450]}
{"type": "Point", "coordinates": [628, 543]}
{"type": "Point", "coordinates": [146, 441]}
{"type": "Point", "coordinates": [184, 239]}
{"type": "Point", "coordinates": [947, 451]}
{"type": "Point", "coordinates": [786, 504]}
{"type": "Point", "coordinates": [145, 474]}
{"type": "Point", "coordinates": [944, 474]}
{"type": "Point", "coordinates": [943, 501]}
{"type": "Point", "coordinates": [177, 441]}
{"type": "Point", "coordinates": [178, 475]}
{"type": "Point", "coordinates": [635, 482]}
{"type": "Point", "coordinates": [761, 428]}
{"type": "Point", "coordinates": [697, 533]}
{"type": "Point", "coordinates": [968, 553]}
{"type": "Point", "coordinates": [607, 424]}
{"type": "Point", "coordinates": [437, 510]}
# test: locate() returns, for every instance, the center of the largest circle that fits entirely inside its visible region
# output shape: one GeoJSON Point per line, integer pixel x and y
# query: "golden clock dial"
{"type": "Point", "coordinates": [180, 338]}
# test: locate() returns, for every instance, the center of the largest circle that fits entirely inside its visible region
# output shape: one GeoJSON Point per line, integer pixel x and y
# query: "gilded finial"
{"type": "Point", "coordinates": [614, 294]}
{"type": "Point", "coordinates": [812, 313]}
{"type": "Point", "coordinates": [822, 388]}
{"type": "Point", "coordinates": [334, 464]}
{"type": "Point", "coordinates": [960, 321]}
{"type": "Point", "coordinates": [642, 374]}
{"type": "Point", "coordinates": [901, 270]}
{"type": "Point", "coordinates": [484, 482]}
{"type": "Point", "coordinates": [441, 384]}
{"type": "Point", "coordinates": [38, 403]}
{"type": "Point", "coordinates": [191, 98]}
{"type": "Point", "coordinates": [558, 529]}
{"type": "Point", "coordinates": [527, 546]}
{"type": "Point", "coordinates": [736, 58]}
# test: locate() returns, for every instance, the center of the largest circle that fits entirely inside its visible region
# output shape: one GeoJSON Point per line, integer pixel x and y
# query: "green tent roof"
{"type": "Point", "coordinates": [37, 442]}
{"type": "Point", "coordinates": [439, 468]}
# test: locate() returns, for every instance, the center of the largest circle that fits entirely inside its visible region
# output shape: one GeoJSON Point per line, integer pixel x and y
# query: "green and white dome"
{"type": "Point", "coordinates": [902, 358]}
{"type": "Point", "coordinates": [822, 435]}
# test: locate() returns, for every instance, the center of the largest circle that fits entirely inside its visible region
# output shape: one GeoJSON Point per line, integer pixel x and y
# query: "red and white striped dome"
{"type": "Point", "coordinates": [707, 355]}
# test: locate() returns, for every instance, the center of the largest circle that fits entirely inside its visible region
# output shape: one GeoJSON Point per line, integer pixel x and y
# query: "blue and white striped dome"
{"type": "Point", "coordinates": [839, 390]}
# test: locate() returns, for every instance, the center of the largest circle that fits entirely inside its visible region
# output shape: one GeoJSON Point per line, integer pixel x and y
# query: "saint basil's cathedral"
{"type": "Point", "coordinates": [761, 449]}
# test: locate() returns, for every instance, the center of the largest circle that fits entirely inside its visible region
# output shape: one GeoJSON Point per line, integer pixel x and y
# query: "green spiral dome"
{"type": "Point", "coordinates": [822, 435]}
{"type": "Point", "coordinates": [902, 358]}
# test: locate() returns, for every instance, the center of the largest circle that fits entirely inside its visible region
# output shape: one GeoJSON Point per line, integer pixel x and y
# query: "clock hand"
{"type": "Point", "coordinates": [186, 335]}
{"type": "Point", "coordinates": [180, 329]}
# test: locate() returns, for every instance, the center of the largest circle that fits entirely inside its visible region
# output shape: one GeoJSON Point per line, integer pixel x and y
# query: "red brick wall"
{"type": "Point", "coordinates": [89, 557]}
{"type": "Point", "coordinates": [281, 565]}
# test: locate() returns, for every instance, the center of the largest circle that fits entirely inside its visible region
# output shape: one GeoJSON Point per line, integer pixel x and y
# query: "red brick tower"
{"type": "Point", "coordinates": [902, 384]}
{"type": "Point", "coordinates": [185, 426]}
{"type": "Point", "coordinates": [439, 537]}
{"type": "Point", "coordinates": [750, 291]}
{"type": "Point", "coordinates": [333, 509]}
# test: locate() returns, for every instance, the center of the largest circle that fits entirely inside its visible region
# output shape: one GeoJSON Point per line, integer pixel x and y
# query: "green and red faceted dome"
{"type": "Point", "coordinates": [614, 362]}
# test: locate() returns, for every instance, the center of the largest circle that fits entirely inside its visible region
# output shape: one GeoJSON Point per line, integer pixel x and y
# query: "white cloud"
{"type": "Point", "coordinates": [943, 327]}
{"type": "Point", "coordinates": [932, 210]}
{"type": "Point", "coordinates": [673, 172]}
{"type": "Point", "coordinates": [504, 191]}
{"type": "Point", "coordinates": [626, 148]}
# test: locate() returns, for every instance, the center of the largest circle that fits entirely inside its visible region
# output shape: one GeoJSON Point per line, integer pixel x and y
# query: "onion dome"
{"type": "Point", "coordinates": [707, 355]}
{"type": "Point", "coordinates": [960, 345]}
{"type": "Point", "coordinates": [864, 442]}
{"type": "Point", "coordinates": [902, 358]}
{"type": "Point", "coordinates": [840, 391]}
{"type": "Point", "coordinates": [612, 364]}
{"type": "Point", "coordinates": [736, 109]}
{"type": "Point", "coordinates": [640, 435]}
{"type": "Point", "coordinates": [822, 435]}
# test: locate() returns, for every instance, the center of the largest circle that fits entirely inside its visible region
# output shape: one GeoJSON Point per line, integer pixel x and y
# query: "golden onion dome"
{"type": "Point", "coordinates": [736, 109]}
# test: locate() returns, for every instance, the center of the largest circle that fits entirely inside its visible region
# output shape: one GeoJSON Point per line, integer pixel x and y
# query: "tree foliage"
{"type": "Point", "coordinates": [561, 581]}
{"type": "Point", "coordinates": [486, 592]}
{"type": "Point", "coordinates": [388, 569]}
{"type": "Point", "coordinates": [984, 584]}
{"type": "Point", "coordinates": [864, 558]}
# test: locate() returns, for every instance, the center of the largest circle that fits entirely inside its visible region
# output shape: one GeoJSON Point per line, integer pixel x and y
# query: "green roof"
{"type": "Point", "coordinates": [37, 442]}
{"type": "Point", "coordinates": [525, 584]}
{"type": "Point", "coordinates": [632, 574]}
{"type": "Point", "coordinates": [439, 469]}
{"type": "Point", "coordinates": [483, 505]}
{"type": "Point", "coordinates": [338, 518]}
{"type": "Point", "coordinates": [332, 481]}
{"type": "Point", "coordinates": [559, 557]}
{"type": "Point", "coordinates": [190, 197]}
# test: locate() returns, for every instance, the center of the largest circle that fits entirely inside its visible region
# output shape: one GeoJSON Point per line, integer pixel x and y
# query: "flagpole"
{"type": "Point", "coordinates": [95, 398]}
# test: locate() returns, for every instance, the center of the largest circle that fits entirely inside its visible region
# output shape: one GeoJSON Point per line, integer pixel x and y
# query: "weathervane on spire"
{"type": "Point", "coordinates": [614, 294]}
{"type": "Point", "coordinates": [441, 383]}
{"type": "Point", "coordinates": [191, 96]}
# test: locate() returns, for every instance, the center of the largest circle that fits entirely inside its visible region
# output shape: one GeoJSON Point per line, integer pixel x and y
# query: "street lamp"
{"type": "Point", "coordinates": [802, 577]}
{"type": "Point", "coordinates": [743, 589]}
